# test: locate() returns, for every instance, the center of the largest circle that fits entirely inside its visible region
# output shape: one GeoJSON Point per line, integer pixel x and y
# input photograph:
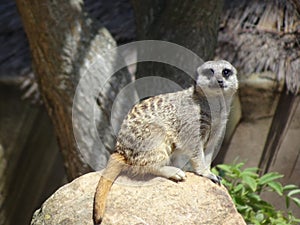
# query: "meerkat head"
{"type": "Point", "coordinates": [216, 76]}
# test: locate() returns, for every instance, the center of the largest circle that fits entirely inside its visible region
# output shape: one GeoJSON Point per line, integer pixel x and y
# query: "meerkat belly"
{"type": "Point", "coordinates": [189, 132]}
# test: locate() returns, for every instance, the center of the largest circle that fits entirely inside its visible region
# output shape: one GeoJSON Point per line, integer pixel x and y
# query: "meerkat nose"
{"type": "Point", "coordinates": [220, 82]}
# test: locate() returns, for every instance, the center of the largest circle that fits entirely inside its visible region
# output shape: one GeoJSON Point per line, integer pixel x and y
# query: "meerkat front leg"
{"type": "Point", "coordinates": [170, 172]}
{"type": "Point", "coordinates": [202, 167]}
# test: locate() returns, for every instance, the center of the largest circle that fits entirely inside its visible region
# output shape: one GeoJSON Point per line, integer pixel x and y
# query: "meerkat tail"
{"type": "Point", "coordinates": [114, 167]}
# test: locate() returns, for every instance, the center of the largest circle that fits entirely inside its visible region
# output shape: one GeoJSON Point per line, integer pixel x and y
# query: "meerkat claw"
{"type": "Point", "coordinates": [216, 179]}
{"type": "Point", "coordinates": [179, 176]}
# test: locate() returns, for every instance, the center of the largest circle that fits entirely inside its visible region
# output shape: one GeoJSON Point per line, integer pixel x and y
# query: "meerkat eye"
{"type": "Point", "coordinates": [226, 73]}
{"type": "Point", "coordinates": [208, 72]}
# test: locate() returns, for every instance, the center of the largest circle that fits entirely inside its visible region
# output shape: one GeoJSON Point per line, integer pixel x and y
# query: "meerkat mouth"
{"type": "Point", "coordinates": [223, 86]}
{"type": "Point", "coordinates": [218, 86]}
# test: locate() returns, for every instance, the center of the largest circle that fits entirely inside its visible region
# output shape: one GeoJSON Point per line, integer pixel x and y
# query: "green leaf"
{"type": "Point", "coordinates": [256, 222]}
{"type": "Point", "coordinates": [252, 171]}
{"type": "Point", "coordinates": [260, 217]}
{"type": "Point", "coordinates": [296, 201]}
{"type": "Point", "coordinates": [293, 192]}
{"type": "Point", "coordinates": [242, 207]}
{"type": "Point", "coordinates": [224, 167]}
{"type": "Point", "coordinates": [296, 220]}
{"type": "Point", "coordinates": [238, 188]}
{"type": "Point", "coordinates": [290, 187]}
{"type": "Point", "coordinates": [276, 186]}
{"type": "Point", "coordinates": [245, 187]}
{"type": "Point", "coordinates": [287, 202]}
{"type": "Point", "coordinates": [269, 177]}
{"type": "Point", "coordinates": [249, 173]}
{"type": "Point", "coordinates": [227, 184]}
{"type": "Point", "coordinates": [254, 198]}
{"type": "Point", "coordinates": [251, 182]}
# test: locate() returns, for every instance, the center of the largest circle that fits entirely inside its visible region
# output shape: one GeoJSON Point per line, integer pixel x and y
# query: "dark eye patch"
{"type": "Point", "coordinates": [208, 72]}
{"type": "Point", "coordinates": [226, 73]}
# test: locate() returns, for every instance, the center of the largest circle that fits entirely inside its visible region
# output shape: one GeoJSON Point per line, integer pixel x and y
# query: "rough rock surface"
{"type": "Point", "coordinates": [148, 200]}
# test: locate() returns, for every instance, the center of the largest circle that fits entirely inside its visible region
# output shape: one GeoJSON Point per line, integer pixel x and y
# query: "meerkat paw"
{"type": "Point", "coordinates": [214, 178]}
{"type": "Point", "coordinates": [179, 176]}
{"type": "Point", "coordinates": [171, 172]}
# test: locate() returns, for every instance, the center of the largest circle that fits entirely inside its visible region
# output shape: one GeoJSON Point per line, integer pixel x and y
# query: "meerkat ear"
{"type": "Point", "coordinates": [198, 71]}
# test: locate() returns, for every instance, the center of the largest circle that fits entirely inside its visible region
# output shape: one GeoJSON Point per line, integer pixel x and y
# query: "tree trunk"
{"type": "Point", "coordinates": [191, 24]}
{"type": "Point", "coordinates": [67, 48]}
{"type": "Point", "coordinates": [285, 111]}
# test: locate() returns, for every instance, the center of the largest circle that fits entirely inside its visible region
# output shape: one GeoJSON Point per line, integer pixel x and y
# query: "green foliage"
{"type": "Point", "coordinates": [246, 186]}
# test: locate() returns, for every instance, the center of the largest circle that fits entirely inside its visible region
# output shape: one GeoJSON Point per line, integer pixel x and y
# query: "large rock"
{"type": "Point", "coordinates": [151, 200]}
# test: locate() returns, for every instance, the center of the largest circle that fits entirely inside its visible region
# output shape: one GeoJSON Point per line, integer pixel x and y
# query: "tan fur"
{"type": "Point", "coordinates": [114, 167]}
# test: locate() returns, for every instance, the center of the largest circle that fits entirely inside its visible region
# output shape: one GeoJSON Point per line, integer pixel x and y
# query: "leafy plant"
{"type": "Point", "coordinates": [246, 186]}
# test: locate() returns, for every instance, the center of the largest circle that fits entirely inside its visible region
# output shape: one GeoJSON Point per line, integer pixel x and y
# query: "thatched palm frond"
{"type": "Point", "coordinates": [263, 36]}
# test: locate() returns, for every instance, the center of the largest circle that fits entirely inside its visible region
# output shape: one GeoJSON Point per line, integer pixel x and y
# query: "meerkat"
{"type": "Point", "coordinates": [159, 129]}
